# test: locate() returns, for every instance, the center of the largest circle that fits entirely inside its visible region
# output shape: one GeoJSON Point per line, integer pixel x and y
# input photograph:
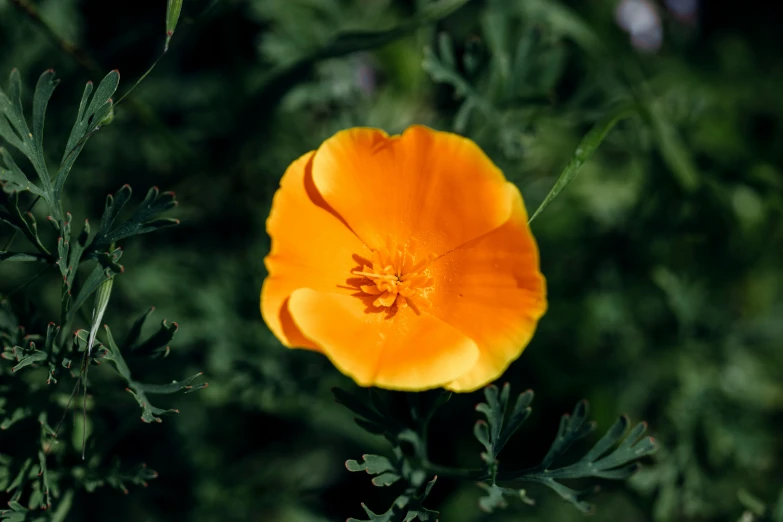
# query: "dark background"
{"type": "Point", "coordinates": [663, 258]}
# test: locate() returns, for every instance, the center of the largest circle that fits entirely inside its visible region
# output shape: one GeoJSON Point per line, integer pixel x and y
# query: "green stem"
{"type": "Point", "coordinates": [473, 475]}
{"type": "Point", "coordinates": [479, 475]}
{"type": "Point", "coordinates": [16, 231]}
{"type": "Point", "coordinates": [10, 240]}
{"type": "Point", "coordinates": [141, 79]}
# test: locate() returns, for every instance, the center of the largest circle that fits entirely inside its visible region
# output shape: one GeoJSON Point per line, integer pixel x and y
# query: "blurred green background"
{"type": "Point", "coordinates": [664, 258]}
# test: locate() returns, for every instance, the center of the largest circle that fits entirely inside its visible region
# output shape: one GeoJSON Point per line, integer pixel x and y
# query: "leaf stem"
{"type": "Point", "coordinates": [16, 231]}
{"type": "Point", "coordinates": [455, 473]}
{"type": "Point", "coordinates": [141, 78]}
{"type": "Point", "coordinates": [584, 152]}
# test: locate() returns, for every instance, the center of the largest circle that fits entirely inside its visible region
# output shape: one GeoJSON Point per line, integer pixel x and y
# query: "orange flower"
{"type": "Point", "coordinates": [407, 260]}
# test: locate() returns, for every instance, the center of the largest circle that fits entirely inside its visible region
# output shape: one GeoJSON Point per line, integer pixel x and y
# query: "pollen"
{"type": "Point", "coordinates": [397, 278]}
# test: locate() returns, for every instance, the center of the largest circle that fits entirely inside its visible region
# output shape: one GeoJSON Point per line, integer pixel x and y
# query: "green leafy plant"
{"type": "Point", "coordinates": [55, 350]}
{"type": "Point", "coordinates": [39, 475]}
{"type": "Point", "coordinates": [506, 87]}
{"type": "Point", "coordinates": [614, 456]}
{"type": "Point", "coordinates": [662, 253]}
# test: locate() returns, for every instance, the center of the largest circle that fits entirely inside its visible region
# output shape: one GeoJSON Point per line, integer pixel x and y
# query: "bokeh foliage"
{"type": "Point", "coordinates": [662, 256]}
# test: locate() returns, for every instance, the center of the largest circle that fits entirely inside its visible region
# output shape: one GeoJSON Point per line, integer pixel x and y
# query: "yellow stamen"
{"type": "Point", "coordinates": [397, 278]}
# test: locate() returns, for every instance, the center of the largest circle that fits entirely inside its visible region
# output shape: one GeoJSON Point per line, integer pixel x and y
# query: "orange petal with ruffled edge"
{"type": "Point", "coordinates": [492, 291]}
{"type": "Point", "coordinates": [403, 352]}
{"type": "Point", "coordinates": [311, 248]}
{"type": "Point", "coordinates": [434, 188]}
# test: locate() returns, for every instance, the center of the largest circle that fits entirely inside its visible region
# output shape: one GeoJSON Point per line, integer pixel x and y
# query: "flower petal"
{"type": "Point", "coordinates": [311, 248]}
{"type": "Point", "coordinates": [435, 188]}
{"type": "Point", "coordinates": [403, 352]}
{"type": "Point", "coordinates": [492, 291]}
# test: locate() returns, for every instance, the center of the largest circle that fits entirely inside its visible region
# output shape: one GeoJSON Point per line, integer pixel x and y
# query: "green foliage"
{"type": "Point", "coordinates": [173, 8]}
{"type": "Point", "coordinates": [39, 478]}
{"type": "Point", "coordinates": [15, 131]}
{"type": "Point", "coordinates": [662, 256]}
{"type": "Point", "coordinates": [757, 510]}
{"type": "Point", "coordinates": [584, 151]}
{"type": "Point", "coordinates": [606, 459]}
{"type": "Point", "coordinates": [500, 425]}
{"type": "Point", "coordinates": [143, 220]}
{"type": "Point", "coordinates": [617, 464]}
{"type": "Point", "coordinates": [343, 43]}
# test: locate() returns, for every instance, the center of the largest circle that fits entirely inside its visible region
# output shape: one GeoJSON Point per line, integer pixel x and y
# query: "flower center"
{"type": "Point", "coordinates": [397, 278]}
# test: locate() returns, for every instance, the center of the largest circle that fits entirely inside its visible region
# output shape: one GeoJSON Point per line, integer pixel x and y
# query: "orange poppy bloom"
{"type": "Point", "coordinates": [407, 260]}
